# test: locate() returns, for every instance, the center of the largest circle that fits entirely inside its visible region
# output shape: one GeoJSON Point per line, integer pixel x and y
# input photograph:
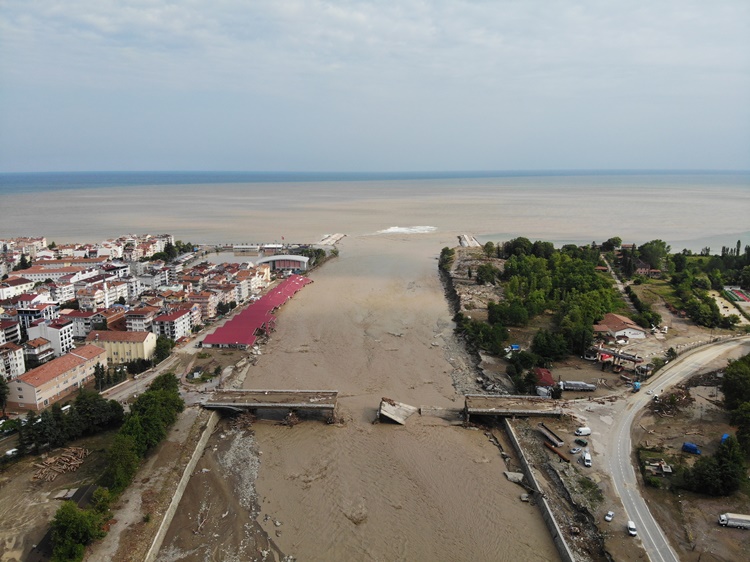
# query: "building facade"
{"type": "Point", "coordinates": [39, 388]}
{"type": "Point", "coordinates": [122, 347]}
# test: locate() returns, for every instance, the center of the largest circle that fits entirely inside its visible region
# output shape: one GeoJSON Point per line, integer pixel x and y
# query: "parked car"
{"type": "Point", "coordinates": [587, 459]}
{"type": "Point", "coordinates": [610, 515]}
{"type": "Point", "coordinates": [631, 529]}
{"type": "Point", "coordinates": [575, 450]}
{"type": "Point", "coordinates": [582, 442]}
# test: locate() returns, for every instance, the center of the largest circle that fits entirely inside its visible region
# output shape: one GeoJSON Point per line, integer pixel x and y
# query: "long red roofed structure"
{"type": "Point", "coordinates": [241, 330]}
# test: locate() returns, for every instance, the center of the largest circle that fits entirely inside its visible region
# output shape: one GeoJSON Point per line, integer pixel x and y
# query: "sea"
{"type": "Point", "coordinates": [687, 209]}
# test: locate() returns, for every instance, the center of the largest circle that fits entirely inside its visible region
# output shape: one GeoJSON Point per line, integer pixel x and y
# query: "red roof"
{"type": "Point", "coordinates": [241, 329]}
{"type": "Point", "coordinates": [544, 377]}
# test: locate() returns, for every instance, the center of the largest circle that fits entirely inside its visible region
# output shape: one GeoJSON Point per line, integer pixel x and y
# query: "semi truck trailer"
{"type": "Point", "coordinates": [734, 520]}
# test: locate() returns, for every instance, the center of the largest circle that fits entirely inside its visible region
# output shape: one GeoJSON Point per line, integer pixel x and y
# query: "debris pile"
{"type": "Point", "coordinates": [68, 461]}
{"type": "Point", "coordinates": [669, 404]}
{"type": "Point", "coordinates": [243, 421]}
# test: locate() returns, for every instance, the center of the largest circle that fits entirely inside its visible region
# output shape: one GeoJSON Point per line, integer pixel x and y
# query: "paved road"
{"type": "Point", "coordinates": [620, 447]}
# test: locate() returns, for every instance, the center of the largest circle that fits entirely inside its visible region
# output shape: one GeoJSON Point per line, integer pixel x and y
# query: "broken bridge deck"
{"type": "Point", "coordinates": [240, 399]}
{"type": "Point", "coordinates": [509, 406]}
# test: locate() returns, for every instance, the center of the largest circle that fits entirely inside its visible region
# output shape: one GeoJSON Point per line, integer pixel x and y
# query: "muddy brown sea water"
{"type": "Point", "coordinates": [376, 323]}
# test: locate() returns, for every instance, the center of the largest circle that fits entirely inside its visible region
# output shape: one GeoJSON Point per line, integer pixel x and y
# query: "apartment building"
{"type": "Point", "coordinates": [174, 325]}
{"type": "Point", "coordinates": [11, 361]}
{"type": "Point", "coordinates": [39, 388]}
{"type": "Point", "coordinates": [122, 347]}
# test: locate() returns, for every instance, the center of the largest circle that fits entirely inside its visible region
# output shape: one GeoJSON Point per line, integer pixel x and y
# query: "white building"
{"type": "Point", "coordinates": [11, 361]}
{"type": "Point", "coordinates": [60, 334]}
{"type": "Point", "coordinates": [617, 326]}
{"type": "Point", "coordinates": [39, 388]}
{"type": "Point", "coordinates": [15, 286]}
{"type": "Point", "coordinates": [174, 326]}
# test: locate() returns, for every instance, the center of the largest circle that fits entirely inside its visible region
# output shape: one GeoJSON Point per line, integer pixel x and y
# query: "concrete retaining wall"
{"type": "Point", "coordinates": [180, 490]}
{"type": "Point", "coordinates": [557, 537]}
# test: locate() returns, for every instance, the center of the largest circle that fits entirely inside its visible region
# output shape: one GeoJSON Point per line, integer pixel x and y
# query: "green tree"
{"type": "Point", "coordinates": [164, 347]}
{"type": "Point", "coordinates": [4, 393]}
{"type": "Point", "coordinates": [486, 273]}
{"type": "Point", "coordinates": [72, 530]}
{"type": "Point", "coordinates": [654, 253]}
{"type": "Point", "coordinates": [166, 381]}
{"type": "Point", "coordinates": [488, 249]}
{"type": "Point", "coordinates": [720, 474]}
{"type": "Point", "coordinates": [745, 278]}
{"type": "Point", "coordinates": [95, 412]}
{"type": "Point", "coordinates": [736, 383]}
{"type": "Point", "coordinates": [122, 463]}
{"type": "Point", "coordinates": [549, 346]}
{"type": "Point", "coordinates": [99, 376]}
{"type": "Point", "coordinates": [612, 244]}
{"type": "Point", "coordinates": [741, 419]}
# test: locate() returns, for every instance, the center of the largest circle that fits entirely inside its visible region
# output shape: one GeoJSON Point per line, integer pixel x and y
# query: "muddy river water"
{"type": "Point", "coordinates": [375, 323]}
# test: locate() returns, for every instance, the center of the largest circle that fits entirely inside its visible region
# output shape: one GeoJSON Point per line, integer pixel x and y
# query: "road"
{"type": "Point", "coordinates": [619, 449]}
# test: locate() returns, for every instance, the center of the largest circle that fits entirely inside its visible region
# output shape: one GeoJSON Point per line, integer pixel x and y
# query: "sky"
{"type": "Point", "coordinates": [358, 85]}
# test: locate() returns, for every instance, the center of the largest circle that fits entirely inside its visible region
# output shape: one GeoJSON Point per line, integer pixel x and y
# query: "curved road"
{"type": "Point", "coordinates": [619, 449]}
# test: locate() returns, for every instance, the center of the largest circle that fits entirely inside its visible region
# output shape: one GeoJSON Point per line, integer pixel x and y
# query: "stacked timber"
{"type": "Point", "coordinates": [68, 461]}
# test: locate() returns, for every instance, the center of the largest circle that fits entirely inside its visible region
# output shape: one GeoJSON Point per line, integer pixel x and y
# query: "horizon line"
{"type": "Point", "coordinates": [386, 172]}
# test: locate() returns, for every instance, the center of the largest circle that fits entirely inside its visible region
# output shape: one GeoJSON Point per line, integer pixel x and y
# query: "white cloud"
{"type": "Point", "coordinates": [466, 65]}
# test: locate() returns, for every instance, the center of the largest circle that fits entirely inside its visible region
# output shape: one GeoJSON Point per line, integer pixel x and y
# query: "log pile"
{"type": "Point", "coordinates": [68, 461]}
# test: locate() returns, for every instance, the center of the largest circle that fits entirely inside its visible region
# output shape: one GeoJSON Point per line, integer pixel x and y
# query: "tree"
{"type": "Point", "coordinates": [736, 383]}
{"type": "Point", "coordinates": [741, 418]}
{"type": "Point", "coordinates": [654, 253]}
{"type": "Point", "coordinates": [163, 348]}
{"type": "Point", "coordinates": [612, 244]}
{"type": "Point", "coordinates": [99, 376]}
{"type": "Point", "coordinates": [123, 462]}
{"type": "Point", "coordinates": [720, 474]}
{"type": "Point", "coordinates": [489, 249]}
{"type": "Point", "coordinates": [4, 393]}
{"type": "Point", "coordinates": [72, 530]}
{"type": "Point", "coordinates": [166, 381]}
{"type": "Point", "coordinates": [486, 273]}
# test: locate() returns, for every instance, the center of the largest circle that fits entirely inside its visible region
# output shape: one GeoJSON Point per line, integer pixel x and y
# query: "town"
{"type": "Point", "coordinates": [65, 309]}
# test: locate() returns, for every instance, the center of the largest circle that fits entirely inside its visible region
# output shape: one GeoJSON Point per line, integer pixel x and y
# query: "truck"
{"type": "Point", "coordinates": [734, 520]}
{"type": "Point", "coordinates": [577, 385]}
{"type": "Point", "coordinates": [689, 447]}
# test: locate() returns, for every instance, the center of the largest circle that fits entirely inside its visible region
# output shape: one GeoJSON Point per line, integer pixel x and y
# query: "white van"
{"type": "Point", "coordinates": [583, 431]}
{"type": "Point", "coordinates": [631, 529]}
{"type": "Point", "coordinates": [587, 459]}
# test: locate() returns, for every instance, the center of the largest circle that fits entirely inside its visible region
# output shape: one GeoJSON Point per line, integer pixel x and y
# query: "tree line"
{"type": "Point", "coordinates": [143, 428]}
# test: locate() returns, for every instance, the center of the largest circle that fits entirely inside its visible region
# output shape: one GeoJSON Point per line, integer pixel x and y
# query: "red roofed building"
{"type": "Point", "coordinates": [174, 326]}
{"type": "Point", "coordinates": [39, 388]}
{"type": "Point", "coordinates": [617, 325]}
{"type": "Point", "coordinates": [543, 377]}
{"type": "Point", "coordinates": [123, 347]}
